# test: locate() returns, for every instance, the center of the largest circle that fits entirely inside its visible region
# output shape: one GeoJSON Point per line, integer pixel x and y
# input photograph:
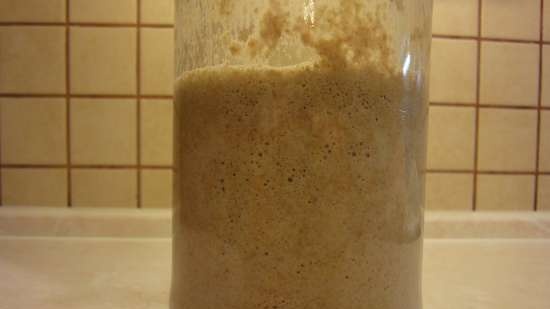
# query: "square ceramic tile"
{"type": "Point", "coordinates": [34, 187]}
{"type": "Point", "coordinates": [505, 192]}
{"type": "Point", "coordinates": [33, 131]}
{"type": "Point", "coordinates": [99, 11]}
{"type": "Point", "coordinates": [104, 187]}
{"type": "Point", "coordinates": [507, 139]}
{"type": "Point", "coordinates": [32, 10]}
{"type": "Point", "coordinates": [157, 61]}
{"type": "Point", "coordinates": [544, 193]}
{"type": "Point", "coordinates": [156, 188]}
{"type": "Point", "coordinates": [546, 19]}
{"type": "Point", "coordinates": [156, 132]}
{"type": "Point", "coordinates": [546, 75]}
{"type": "Point", "coordinates": [157, 11]}
{"type": "Point", "coordinates": [103, 60]}
{"type": "Point", "coordinates": [510, 19]}
{"type": "Point", "coordinates": [544, 155]}
{"type": "Point", "coordinates": [103, 131]}
{"type": "Point", "coordinates": [449, 191]}
{"type": "Point", "coordinates": [451, 137]}
{"type": "Point", "coordinates": [454, 17]}
{"type": "Point", "coordinates": [32, 59]}
{"type": "Point", "coordinates": [509, 73]}
{"type": "Point", "coordinates": [453, 71]}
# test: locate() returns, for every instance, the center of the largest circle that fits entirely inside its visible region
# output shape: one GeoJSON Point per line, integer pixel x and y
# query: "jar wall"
{"type": "Point", "coordinates": [209, 32]}
{"type": "Point", "coordinates": [300, 141]}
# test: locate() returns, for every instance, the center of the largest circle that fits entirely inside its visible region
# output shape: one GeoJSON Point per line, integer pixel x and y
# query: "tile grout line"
{"type": "Point", "coordinates": [86, 96]}
{"type": "Point", "coordinates": [487, 106]}
{"type": "Point", "coordinates": [85, 24]}
{"type": "Point", "coordinates": [68, 102]}
{"type": "Point", "coordinates": [539, 110]}
{"type": "Point", "coordinates": [138, 104]}
{"type": "Point", "coordinates": [171, 97]}
{"type": "Point", "coordinates": [486, 39]}
{"type": "Point", "coordinates": [484, 172]}
{"type": "Point", "coordinates": [86, 166]}
{"type": "Point", "coordinates": [168, 25]}
{"type": "Point", "coordinates": [476, 128]}
{"type": "Point", "coordinates": [169, 167]}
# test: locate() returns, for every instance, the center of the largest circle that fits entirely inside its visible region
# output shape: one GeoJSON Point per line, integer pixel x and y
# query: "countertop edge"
{"type": "Point", "coordinates": [156, 223]}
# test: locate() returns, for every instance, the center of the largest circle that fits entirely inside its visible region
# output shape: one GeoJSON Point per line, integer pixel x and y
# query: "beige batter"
{"type": "Point", "coordinates": [296, 187]}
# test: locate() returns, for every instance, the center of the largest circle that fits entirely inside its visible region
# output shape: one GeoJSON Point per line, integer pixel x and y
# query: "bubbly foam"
{"type": "Point", "coordinates": [293, 190]}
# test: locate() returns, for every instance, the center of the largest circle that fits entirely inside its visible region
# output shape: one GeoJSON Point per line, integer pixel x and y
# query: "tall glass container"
{"type": "Point", "coordinates": [300, 142]}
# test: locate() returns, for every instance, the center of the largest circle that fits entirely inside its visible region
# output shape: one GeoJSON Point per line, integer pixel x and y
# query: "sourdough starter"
{"type": "Point", "coordinates": [300, 187]}
{"type": "Point", "coordinates": [294, 191]}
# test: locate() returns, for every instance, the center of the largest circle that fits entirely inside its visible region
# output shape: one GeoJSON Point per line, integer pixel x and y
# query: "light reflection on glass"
{"type": "Point", "coordinates": [407, 64]}
{"type": "Point", "coordinates": [309, 12]}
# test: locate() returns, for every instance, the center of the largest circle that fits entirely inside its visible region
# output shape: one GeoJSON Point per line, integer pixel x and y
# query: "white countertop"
{"type": "Point", "coordinates": [103, 273]}
{"type": "Point", "coordinates": [54, 260]}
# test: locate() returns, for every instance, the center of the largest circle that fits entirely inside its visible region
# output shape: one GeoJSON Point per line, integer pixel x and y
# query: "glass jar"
{"type": "Point", "coordinates": [300, 142]}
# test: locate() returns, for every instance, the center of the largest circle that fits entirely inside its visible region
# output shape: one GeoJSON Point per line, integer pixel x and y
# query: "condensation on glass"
{"type": "Point", "coordinates": [300, 142]}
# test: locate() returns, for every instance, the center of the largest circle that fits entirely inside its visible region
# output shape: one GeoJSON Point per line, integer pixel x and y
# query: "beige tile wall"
{"type": "Point", "coordinates": [85, 102]}
{"type": "Point", "coordinates": [86, 113]}
{"type": "Point", "coordinates": [489, 138]}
